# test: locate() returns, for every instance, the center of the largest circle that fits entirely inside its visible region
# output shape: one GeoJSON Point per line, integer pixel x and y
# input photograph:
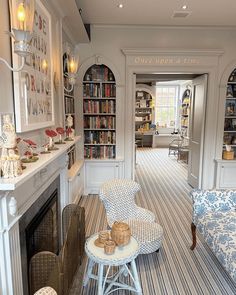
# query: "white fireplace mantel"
{"type": "Point", "coordinates": [16, 197]}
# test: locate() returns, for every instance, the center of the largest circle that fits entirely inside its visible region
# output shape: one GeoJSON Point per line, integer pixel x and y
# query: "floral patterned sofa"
{"type": "Point", "coordinates": [214, 215]}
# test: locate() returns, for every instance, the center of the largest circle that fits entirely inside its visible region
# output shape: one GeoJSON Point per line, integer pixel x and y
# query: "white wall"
{"type": "Point", "coordinates": [6, 90]}
{"type": "Point", "coordinates": [6, 102]}
{"type": "Point", "coordinates": [109, 40]}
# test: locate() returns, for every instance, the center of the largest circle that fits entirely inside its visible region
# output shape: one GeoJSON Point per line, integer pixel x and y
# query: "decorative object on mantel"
{"type": "Point", "coordinates": [120, 233]}
{"type": "Point", "coordinates": [10, 164]}
{"type": "Point", "coordinates": [228, 154]}
{"type": "Point", "coordinates": [31, 146]}
{"type": "Point", "coordinates": [29, 157]}
{"type": "Point", "coordinates": [29, 154]}
{"type": "Point", "coordinates": [60, 131]}
{"type": "Point", "coordinates": [45, 151]}
{"type": "Point", "coordinates": [51, 134]}
{"type": "Point", "coordinates": [69, 130]}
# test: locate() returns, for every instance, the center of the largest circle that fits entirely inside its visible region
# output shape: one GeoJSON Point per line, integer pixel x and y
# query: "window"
{"type": "Point", "coordinates": [166, 105]}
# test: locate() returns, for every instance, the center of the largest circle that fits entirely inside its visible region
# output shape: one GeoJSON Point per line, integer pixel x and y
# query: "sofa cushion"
{"type": "Point", "coordinates": [219, 231]}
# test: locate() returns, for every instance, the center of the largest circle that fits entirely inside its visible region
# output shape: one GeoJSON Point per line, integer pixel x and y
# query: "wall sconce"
{"type": "Point", "coordinates": [71, 73]}
{"type": "Point", "coordinates": [22, 19]}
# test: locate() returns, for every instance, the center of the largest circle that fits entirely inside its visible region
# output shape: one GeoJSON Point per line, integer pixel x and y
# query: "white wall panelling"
{"type": "Point", "coordinates": [226, 174]}
{"type": "Point", "coordinates": [99, 171]}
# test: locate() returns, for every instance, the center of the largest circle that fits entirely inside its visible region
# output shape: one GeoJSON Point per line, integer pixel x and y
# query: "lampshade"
{"type": "Point", "coordinates": [73, 64]}
{"type": "Point", "coordinates": [22, 19]}
{"type": "Point", "coordinates": [22, 15]}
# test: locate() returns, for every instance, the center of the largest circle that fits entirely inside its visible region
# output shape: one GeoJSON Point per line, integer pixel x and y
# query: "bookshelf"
{"type": "Point", "coordinates": [229, 137]}
{"type": "Point", "coordinates": [185, 112]}
{"type": "Point", "coordinates": [143, 111]}
{"type": "Point", "coordinates": [69, 96]}
{"type": "Point", "coordinates": [99, 113]}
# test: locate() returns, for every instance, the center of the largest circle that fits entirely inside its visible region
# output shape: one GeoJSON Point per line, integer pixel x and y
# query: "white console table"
{"type": "Point", "coordinates": [16, 196]}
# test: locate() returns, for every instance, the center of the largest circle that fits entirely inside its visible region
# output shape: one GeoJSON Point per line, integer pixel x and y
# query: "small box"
{"type": "Point", "coordinates": [228, 155]}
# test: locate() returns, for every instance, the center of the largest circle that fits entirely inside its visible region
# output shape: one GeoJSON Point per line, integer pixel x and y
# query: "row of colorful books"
{"type": "Point", "coordinates": [95, 106]}
{"type": "Point", "coordinates": [95, 90]}
{"type": "Point", "coordinates": [99, 137]}
{"type": "Point", "coordinates": [99, 122]}
{"type": "Point", "coordinates": [99, 152]}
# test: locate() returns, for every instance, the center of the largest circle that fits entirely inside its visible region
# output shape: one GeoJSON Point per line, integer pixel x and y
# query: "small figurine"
{"type": "Point", "coordinates": [51, 134]}
{"type": "Point", "coordinates": [10, 163]}
{"type": "Point", "coordinates": [60, 131]}
{"type": "Point", "coordinates": [31, 146]}
{"type": "Point", "coordinates": [46, 147]}
{"type": "Point", "coordinates": [69, 131]}
{"type": "Point", "coordinates": [30, 156]}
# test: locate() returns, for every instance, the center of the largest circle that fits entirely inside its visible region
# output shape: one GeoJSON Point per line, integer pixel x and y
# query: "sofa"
{"type": "Point", "coordinates": [214, 216]}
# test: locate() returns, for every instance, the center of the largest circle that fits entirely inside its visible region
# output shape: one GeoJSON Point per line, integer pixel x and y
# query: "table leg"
{"type": "Point", "coordinates": [100, 279]}
{"type": "Point", "coordinates": [136, 277]}
{"type": "Point", "coordinates": [89, 272]}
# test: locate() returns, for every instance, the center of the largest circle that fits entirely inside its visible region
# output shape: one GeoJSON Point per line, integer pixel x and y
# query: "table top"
{"type": "Point", "coordinates": [121, 256]}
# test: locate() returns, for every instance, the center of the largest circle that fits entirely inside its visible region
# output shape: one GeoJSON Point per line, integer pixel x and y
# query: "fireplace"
{"type": "Point", "coordinates": [40, 228]}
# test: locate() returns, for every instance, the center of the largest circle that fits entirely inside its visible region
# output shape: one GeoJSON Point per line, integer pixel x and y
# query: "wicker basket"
{"type": "Point", "coordinates": [228, 155]}
{"type": "Point", "coordinates": [109, 247]}
{"type": "Point", "coordinates": [120, 233]}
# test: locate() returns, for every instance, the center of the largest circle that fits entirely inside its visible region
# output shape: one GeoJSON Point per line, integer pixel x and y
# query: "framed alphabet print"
{"type": "Point", "coordinates": [33, 86]}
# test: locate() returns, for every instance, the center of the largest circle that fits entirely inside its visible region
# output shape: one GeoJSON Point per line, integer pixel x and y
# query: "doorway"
{"type": "Point", "coordinates": [170, 113]}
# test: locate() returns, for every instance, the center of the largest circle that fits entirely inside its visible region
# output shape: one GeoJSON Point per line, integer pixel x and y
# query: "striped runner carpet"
{"type": "Point", "coordinates": [175, 269]}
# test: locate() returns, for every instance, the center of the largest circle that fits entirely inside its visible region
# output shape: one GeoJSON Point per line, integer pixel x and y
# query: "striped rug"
{"type": "Point", "coordinates": [175, 269]}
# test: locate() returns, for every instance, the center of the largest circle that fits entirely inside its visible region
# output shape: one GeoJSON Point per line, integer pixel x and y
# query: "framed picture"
{"type": "Point", "coordinates": [33, 86]}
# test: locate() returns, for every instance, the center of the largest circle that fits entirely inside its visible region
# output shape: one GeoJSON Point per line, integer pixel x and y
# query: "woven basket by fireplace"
{"type": "Point", "coordinates": [57, 271]}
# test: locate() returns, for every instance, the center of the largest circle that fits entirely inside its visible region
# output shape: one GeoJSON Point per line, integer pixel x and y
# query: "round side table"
{"type": "Point", "coordinates": [121, 257]}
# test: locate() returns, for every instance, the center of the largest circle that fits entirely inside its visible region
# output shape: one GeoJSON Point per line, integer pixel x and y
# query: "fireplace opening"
{"type": "Point", "coordinates": [42, 232]}
{"type": "Point", "coordinates": [40, 228]}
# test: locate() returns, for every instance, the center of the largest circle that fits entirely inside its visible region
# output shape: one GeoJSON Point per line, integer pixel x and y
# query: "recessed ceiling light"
{"type": "Point", "coordinates": [120, 5]}
{"type": "Point", "coordinates": [184, 7]}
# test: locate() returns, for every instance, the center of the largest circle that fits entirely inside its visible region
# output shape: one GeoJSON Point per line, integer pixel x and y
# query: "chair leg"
{"type": "Point", "coordinates": [193, 229]}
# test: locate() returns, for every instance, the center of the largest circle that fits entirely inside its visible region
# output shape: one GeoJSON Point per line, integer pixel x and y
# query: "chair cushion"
{"type": "Point", "coordinates": [148, 234]}
{"type": "Point", "coordinates": [219, 231]}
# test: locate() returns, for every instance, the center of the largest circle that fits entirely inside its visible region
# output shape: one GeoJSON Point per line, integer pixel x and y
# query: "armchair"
{"type": "Point", "coordinates": [214, 215]}
{"type": "Point", "coordinates": [117, 196]}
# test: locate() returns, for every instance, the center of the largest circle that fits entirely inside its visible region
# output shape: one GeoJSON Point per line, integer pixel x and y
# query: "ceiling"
{"type": "Point", "coordinates": [158, 12]}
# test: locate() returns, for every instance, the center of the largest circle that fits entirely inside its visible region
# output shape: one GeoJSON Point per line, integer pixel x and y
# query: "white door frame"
{"type": "Point", "coordinates": [146, 61]}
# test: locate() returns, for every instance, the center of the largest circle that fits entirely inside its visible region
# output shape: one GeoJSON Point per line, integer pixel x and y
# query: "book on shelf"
{"type": "Point", "coordinates": [99, 152]}
{"type": "Point", "coordinates": [96, 106]}
{"type": "Point", "coordinates": [99, 122]}
{"type": "Point", "coordinates": [100, 137]}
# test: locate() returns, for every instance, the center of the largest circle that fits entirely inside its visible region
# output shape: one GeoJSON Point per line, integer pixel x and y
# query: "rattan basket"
{"type": "Point", "coordinates": [228, 155]}
{"type": "Point", "coordinates": [109, 247]}
{"type": "Point", "coordinates": [120, 233]}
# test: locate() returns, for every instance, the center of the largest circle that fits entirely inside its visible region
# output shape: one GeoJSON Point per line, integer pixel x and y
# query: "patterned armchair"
{"type": "Point", "coordinates": [214, 215]}
{"type": "Point", "coordinates": [117, 196]}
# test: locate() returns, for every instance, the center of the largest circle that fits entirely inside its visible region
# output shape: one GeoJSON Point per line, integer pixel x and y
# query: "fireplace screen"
{"type": "Point", "coordinates": [40, 228]}
{"type": "Point", "coordinates": [42, 232]}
